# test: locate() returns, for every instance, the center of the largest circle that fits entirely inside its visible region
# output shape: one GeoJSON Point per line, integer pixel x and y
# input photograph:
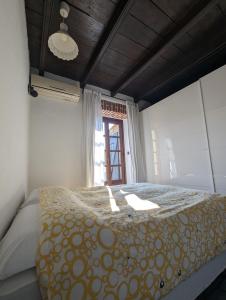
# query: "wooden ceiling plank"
{"type": "Point", "coordinates": [121, 11]}
{"type": "Point", "coordinates": [205, 58]}
{"type": "Point", "coordinates": [35, 5]}
{"type": "Point", "coordinates": [137, 32]}
{"type": "Point", "coordinates": [207, 46]}
{"type": "Point", "coordinates": [99, 10]}
{"type": "Point", "coordinates": [191, 19]}
{"type": "Point", "coordinates": [192, 73]}
{"type": "Point", "coordinates": [47, 14]}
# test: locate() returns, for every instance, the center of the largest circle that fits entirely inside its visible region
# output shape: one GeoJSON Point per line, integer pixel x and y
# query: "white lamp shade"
{"type": "Point", "coordinates": [62, 45]}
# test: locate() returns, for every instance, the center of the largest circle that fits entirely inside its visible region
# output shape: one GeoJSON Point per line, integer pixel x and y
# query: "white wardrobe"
{"type": "Point", "coordinates": [184, 136]}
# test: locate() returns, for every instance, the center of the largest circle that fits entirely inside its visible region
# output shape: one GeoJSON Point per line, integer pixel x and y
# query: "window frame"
{"type": "Point", "coordinates": [122, 165]}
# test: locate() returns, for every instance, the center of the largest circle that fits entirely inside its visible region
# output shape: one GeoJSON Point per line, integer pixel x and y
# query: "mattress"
{"type": "Point", "coordinates": [199, 281]}
{"type": "Point", "coordinates": [24, 285]}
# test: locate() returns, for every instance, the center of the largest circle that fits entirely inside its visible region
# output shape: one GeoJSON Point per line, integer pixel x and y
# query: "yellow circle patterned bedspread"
{"type": "Point", "coordinates": [91, 249]}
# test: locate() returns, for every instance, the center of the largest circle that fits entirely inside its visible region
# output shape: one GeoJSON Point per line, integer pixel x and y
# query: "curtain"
{"type": "Point", "coordinates": [93, 138]}
{"type": "Point", "coordinates": [128, 161]}
{"type": "Point", "coordinates": [137, 173]}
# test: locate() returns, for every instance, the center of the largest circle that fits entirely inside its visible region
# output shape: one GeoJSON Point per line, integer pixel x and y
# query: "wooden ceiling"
{"type": "Point", "coordinates": [147, 49]}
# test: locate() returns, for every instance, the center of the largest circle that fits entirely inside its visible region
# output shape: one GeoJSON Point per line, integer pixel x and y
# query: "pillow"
{"type": "Point", "coordinates": [32, 199]}
{"type": "Point", "coordinates": [19, 246]}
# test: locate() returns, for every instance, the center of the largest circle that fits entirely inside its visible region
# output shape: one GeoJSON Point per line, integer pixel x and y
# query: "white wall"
{"type": "Point", "coordinates": [184, 135]}
{"type": "Point", "coordinates": [56, 140]}
{"type": "Point", "coordinates": [55, 144]}
{"type": "Point", "coordinates": [13, 108]}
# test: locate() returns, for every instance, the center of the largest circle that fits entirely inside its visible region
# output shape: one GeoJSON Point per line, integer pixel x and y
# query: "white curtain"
{"type": "Point", "coordinates": [137, 173]}
{"type": "Point", "coordinates": [93, 138]}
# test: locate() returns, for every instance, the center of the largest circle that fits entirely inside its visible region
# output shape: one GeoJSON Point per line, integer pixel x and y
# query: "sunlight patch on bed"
{"type": "Point", "coordinates": [138, 204]}
{"type": "Point", "coordinates": [122, 192]}
{"type": "Point", "coordinates": [114, 206]}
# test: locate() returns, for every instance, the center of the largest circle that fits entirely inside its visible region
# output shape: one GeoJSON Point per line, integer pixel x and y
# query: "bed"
{"type": "Point", "coordinates": [139, 241]}
{"type": "Point", "coordinates": [25, 286]}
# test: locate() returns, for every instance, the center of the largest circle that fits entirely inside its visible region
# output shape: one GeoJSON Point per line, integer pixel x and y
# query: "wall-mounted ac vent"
{"type": "Point", "coordinates": [56, 90]}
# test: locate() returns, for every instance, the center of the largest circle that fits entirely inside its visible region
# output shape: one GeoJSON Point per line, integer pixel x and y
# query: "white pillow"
{"type": "Point", "coordinates": [32, 199]}
{"type": "Point", "coordinates": [19, 246]}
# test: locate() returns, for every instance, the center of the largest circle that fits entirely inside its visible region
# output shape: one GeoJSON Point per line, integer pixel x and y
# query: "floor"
{"type": "Point", "coordinates": [217, 290]}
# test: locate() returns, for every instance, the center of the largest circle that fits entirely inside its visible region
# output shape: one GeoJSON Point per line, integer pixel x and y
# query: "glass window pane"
{"type": "Point", "coordinates": [114, 143]}
{"type": "Point", "coordinates": [113, 129]}
{"type": "Point", "coordinates": [115, 158]}
{"type": "Point", "coordinates": [115, 173]}
{"type": "Point", "coordinates": [105, 174]}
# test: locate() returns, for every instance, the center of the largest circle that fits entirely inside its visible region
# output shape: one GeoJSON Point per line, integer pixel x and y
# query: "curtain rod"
{"type": "Point", "coordinates": [114, 99]}
{"type": "Point", "coordinates": [109, 97]}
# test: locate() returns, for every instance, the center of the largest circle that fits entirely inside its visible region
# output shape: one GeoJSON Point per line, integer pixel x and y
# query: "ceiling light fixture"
{"type": "Point", "coordinates": [60, 43]}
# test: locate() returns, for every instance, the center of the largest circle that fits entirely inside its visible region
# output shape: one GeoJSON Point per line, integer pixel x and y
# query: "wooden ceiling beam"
{"type": "Point", "coordinates": [47, 15]}
{"type": "Point", "coordinates": [118, 16]}
{"type": "Point", "coordinates": [187, 23]}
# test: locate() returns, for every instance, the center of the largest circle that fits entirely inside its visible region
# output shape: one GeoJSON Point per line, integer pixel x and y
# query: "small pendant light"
{"type": "Point", "coordinates": [60, 43]}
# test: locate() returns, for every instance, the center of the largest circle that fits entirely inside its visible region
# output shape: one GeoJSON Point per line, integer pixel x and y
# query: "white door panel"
{"type": "Point", "coordinates": [214, 96]}
{"type": "Point", "coordinates": [176, 148]}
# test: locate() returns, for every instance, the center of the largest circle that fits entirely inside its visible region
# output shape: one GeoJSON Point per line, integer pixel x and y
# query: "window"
{"type": "Point", "coordinates": [114, 151]}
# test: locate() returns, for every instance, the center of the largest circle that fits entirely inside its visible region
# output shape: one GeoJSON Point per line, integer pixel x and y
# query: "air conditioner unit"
{"type": "Point", "coordinates": [56, 90]}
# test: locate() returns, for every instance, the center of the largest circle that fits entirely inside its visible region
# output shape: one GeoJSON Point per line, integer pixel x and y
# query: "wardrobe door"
{"type": "Point", "coordinates": [214, 96]}
{"type": "Point", "coordinates": [175, 142]}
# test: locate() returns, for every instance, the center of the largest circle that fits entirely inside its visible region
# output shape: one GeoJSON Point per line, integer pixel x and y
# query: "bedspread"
{"type": "Point", "coordinates": [125, 242]}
